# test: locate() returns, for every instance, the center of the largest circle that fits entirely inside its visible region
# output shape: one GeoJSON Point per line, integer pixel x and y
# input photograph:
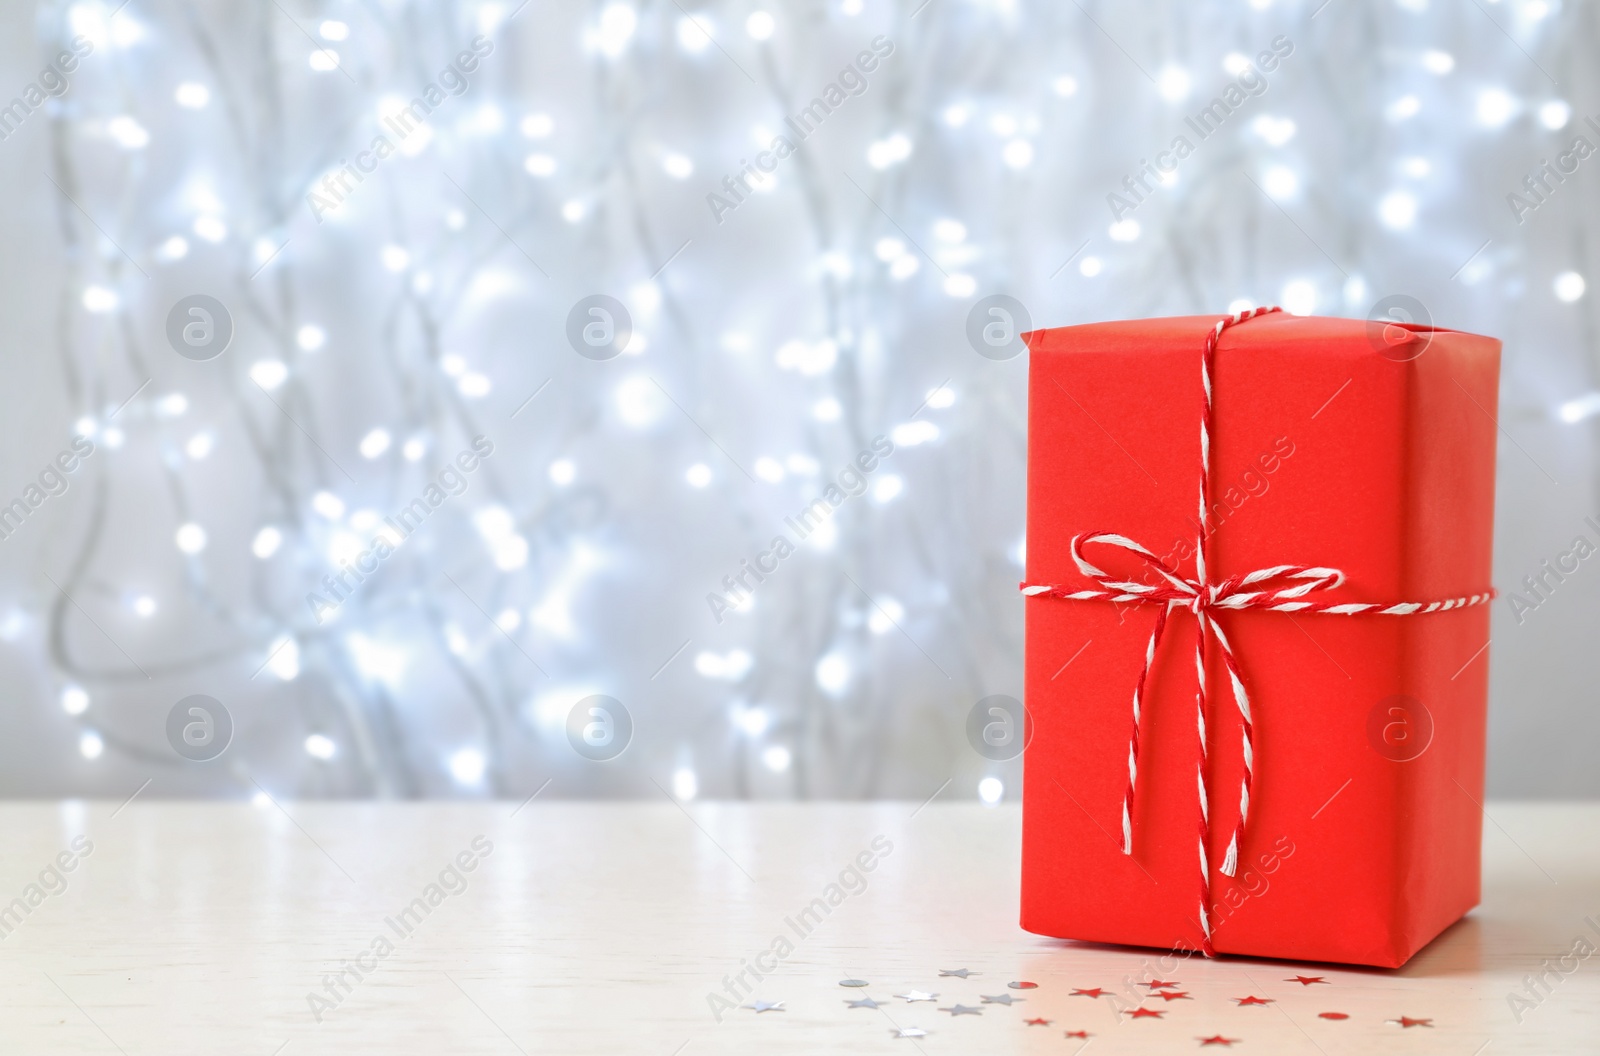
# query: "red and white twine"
{"type": "Point", "coordinates": [1280, 588]}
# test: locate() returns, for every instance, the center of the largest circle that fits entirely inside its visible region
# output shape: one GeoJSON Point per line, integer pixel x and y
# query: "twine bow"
{"type": "Point", "coordinates": [1279, 588]}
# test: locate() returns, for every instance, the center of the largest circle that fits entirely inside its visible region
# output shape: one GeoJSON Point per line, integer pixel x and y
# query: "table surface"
{"type": "Point", "coordinates": [605, 928]}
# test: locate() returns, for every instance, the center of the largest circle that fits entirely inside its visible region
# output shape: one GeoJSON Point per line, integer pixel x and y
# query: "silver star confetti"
{"type": "Point", "coordinates": [852, 982]}
{"type": "Point", "coordinates": [909, 1032]}
{"type": "Point", "coordinates": [1000, 999]}
{"type": "Point", "coordinates": [767, 1006]}
{"type": "Point", "coordinates": [959, 973]}
{"type": "Point", "coordinates": [963, 1010]}
{"type": "Point", "coordinates": [918, 995]}
{"type": "Point", "coordinates": [865, 1002]}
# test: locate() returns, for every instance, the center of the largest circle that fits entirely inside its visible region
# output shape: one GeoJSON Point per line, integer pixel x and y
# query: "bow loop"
{"type": "Point", "coordinates": [1278, 587]}
{"type": "Point", "coordinates": [1175, 588]}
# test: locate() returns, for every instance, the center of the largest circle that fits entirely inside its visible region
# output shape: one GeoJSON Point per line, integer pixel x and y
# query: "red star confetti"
{"type": "Point", "coordinates": [1173, 995]}
{"type": "Point", "coordinates": [1038, 1022]}
{"type": "Point", "coordinates": [1407, 1021]}
{"type": "Point", "coordinates": [1077, 1033]}
{"type": "Point", "coordinates": [1096, 992]}
{"type": "Point", "coordinates": [1306, 980]}
{"type": "Point", "coordinates": [1161, 984]}
{"type": "Point", "coordinates": [1023, 984]}
{"type": "Point", "coordinates": [1333, 1015]}
{"type": "Point", "coordinates": [1141, 1013]}
{"type": "Point", "coordinates": [1216, 1039]}
{"type": "Point", "coordinates": [1253, 1001]}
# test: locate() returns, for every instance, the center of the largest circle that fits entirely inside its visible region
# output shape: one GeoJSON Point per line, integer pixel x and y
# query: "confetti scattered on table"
{"type": "Point", "coordinates": [1166, 989]}
{"type": "Point", "coordinates": [767, 1006]}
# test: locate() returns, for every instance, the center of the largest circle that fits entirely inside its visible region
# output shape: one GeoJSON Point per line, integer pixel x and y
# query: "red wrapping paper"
{"type": "Point", "coordinates": [1327, 450]}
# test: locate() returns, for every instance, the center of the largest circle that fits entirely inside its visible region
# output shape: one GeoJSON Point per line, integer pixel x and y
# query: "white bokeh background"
{"type": "Point", "coordinates": [770, 347]}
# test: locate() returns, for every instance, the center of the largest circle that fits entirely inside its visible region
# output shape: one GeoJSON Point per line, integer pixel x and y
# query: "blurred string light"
{"type": "Point", "coordinates": [1495, 107]}
{"type": "Point", "coordinates": [913, 433]}
{"type": "Point", "coordinates": [684, 783]}
{"type": "Point", "coordinates": [1403, 108]}
{"type": "Point", "coordinates": [1555, 114]}
{"type": "Point", "coordinates": [1299, 297]}
{"type": "Point", "coordinates": [536, 564]}
{"type": "Point", "coordinates": [467, 766]}
{"type": "Point", "coordinates": [886, 615]}
{"type": "Point", "coordinates": [729, 667]}
{"type": "Point", "coordinates": [269, 373]}
{"type": "Point", "coordinates": [375, 443]}
{"type": "Point", "coordinates": [1276, 131]}
{"type": "Point", "coordinates": [191, 538]}
{"type": "Point", "coordinates": [1398, 210]}
{"type": "Point", "coordinates": [74, 700]}
{"type": "Point", "coordinates": [1574, 411]}
{"type": "Point", "coordinates": [1280, 182]}
{"type": "Point", "coordinates": [284, 658]}
{"type": "Point", "coordinates": [833, 674]}
{"type": "Point", "coordinates": [1173, 82]}
{"type": "Point", "coordinates": [991, 790]}
{"type": "Point", "coordinates": [1569, 286]}
{"type": "Point", "coordinates": [100, 300]}
{"type": "Point", "coordinates": [752, 722]}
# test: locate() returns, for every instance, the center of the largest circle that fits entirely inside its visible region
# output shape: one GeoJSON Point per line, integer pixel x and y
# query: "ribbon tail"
{"type": "Point", "coordinates": [1230, 861]}
{"type": "Point", "coordinates": [1241, 697]}
{"type": "Point", "coordinates": [1133, 739]}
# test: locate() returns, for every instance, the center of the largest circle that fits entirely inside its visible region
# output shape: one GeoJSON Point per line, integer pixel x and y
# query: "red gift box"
{"type": "Point", "coordinates": [1358, 457]}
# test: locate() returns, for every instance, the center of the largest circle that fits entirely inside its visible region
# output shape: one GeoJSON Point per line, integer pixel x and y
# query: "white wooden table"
{"type": "Point", "coordinates": [603, 928]}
